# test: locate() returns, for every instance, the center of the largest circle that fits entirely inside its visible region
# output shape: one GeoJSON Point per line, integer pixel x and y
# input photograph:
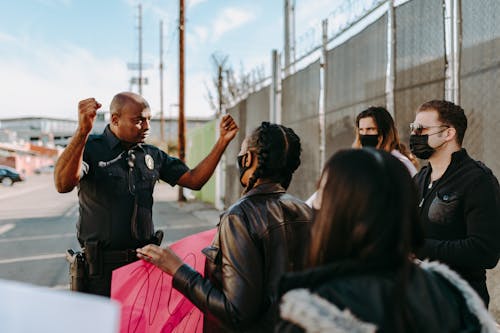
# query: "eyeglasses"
{"type": "Point", "coordinates": [419, 128]}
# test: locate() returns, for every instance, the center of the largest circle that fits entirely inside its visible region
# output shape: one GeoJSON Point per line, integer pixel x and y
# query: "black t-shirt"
{"type": "Point", "coordinates": [116, 186]}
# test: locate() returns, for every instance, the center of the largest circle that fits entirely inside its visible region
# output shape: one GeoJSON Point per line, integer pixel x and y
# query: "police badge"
{"type": "Point", "coordinates": [150, 163]}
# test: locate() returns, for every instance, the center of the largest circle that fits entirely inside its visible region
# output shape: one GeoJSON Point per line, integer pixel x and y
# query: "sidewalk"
{"type": "Point", "coordinates": [180, 219]}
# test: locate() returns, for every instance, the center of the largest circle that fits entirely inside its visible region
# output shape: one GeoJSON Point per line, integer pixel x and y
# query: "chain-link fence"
{"type": "Point", "coordinates": [321, 99]}
{"type": "Point", "coordinates": [393, 56]}
{"type": "Point", "coordinates": [479, 79]}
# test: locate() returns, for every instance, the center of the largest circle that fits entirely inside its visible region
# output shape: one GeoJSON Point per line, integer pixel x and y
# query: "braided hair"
{"type": "Point", "coordinates": [278, 153]}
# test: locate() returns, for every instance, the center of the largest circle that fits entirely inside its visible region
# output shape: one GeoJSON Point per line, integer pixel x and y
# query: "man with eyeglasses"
{"type": "Point", "coordinates": [460, 197]}
{"type": "Point", "coordinates": [115, 173]}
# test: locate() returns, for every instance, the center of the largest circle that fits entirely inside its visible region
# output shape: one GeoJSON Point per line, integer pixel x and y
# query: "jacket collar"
{"type": "Point", "coordinates": [456, 159]}
{"type": "Point", "coordinates": [266, 188]}
{"type": "Point", "coordinates": [459, 156]}
{"type": "Point", "coordinates": [109, 137]}
{"type": "Point", "coordinates": [112, 141]}
{"type": "Point", "coordinates": [317, 275]}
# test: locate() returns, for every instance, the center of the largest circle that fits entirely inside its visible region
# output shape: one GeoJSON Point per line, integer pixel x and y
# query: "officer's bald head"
{"type": "Point", "coordinates": [122, 99]}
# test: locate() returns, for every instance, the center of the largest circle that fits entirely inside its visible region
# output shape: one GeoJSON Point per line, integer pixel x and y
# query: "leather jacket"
{"type": "Point", "coordinates": [260, 237]}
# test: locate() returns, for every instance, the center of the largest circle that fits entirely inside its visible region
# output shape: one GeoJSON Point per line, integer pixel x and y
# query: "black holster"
{"type": "Point", "coordinates": [76, 270]}
{"type": "Point", "coordinates": [93, 256]}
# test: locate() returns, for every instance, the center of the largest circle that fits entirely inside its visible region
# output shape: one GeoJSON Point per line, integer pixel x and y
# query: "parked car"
{"type": "Point", "coordinates": [9, 176]}
{"type": "Point", "coordinates": [44, 169]}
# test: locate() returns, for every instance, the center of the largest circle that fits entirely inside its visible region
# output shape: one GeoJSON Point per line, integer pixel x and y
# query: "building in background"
{"type": "Point", "coordinates": [40, 131]}
{"type": "Point", "coordinates": [30, 143]}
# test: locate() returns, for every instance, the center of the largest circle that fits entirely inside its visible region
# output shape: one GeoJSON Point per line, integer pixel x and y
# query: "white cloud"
{"type": "Point", "coordinates": [55, 3]}
{"type": "Point", "coordinates": [311, 13]}
{"type": "Point", "coordinates": [196, 36]}
{"type": "Point", "coordinates": [231, 18]}
{"type": "Point", "coordinates": [52, 83]}
{"type": "Point", "coordinates": [158, 8]}
{"type": "Point", "coordinates": [194, 3]}
{"type": "Point", "coordinates": [201, 33]}
{"type": "Point", "coordinates": [4, 37]}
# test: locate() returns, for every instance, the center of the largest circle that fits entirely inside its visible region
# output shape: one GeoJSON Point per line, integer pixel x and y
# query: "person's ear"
{"type": "Point", "coordinates": [114, 119]}
{"type": "Point", "coordinates": [248, 159]}
{"type": "Point", "coordinates": [451, 134]}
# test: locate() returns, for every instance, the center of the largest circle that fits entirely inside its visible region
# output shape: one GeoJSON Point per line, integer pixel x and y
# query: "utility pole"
{"type": "Point", "coordinates": [289, 35]}
{"type": "Point", "coordinates": [139, 66]}
{"type": "Point", "coordinates": [162, 119]}
{"type": "Point", "coordinates": [140, 49]}
{"type": "Point", "coordinates": [182, 139]}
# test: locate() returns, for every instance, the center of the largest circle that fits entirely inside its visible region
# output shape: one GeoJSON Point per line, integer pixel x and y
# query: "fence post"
{"type": "Point", "coordinates": [220, 170]}
{"type": "Point", "coordinates": [457, 24]}
{"type": "Point", "coordinates": [453, 41]}
{"type": "Point", "coordinates": [275, 95]}
{"type": "Point", "coordinates": [322, 94]}
{"type": "Point", "coordinates": [391, 58]}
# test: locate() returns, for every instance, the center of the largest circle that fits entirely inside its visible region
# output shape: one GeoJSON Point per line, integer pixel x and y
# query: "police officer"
{"type": "Point", "coordinates": [115, 173]}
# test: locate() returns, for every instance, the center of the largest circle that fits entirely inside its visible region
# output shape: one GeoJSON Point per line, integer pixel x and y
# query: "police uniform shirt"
{"type": "Point", "coordinates": [116, 189]}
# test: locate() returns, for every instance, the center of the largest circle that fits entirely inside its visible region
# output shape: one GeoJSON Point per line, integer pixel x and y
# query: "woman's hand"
{"type": "Point", "coordinates": [163, 258]}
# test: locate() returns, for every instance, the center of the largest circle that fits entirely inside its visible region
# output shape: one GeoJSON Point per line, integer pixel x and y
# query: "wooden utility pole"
{"type": "Point", "coordinates": [140, 49]}
{"type": "Point", "coordinates": [182, 139]}
{"type": "Point", "coordinates": [162, 119]}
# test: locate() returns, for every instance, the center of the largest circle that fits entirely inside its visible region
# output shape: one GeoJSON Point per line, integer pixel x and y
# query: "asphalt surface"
{"type": "Point", "coordinates": [37, 225]}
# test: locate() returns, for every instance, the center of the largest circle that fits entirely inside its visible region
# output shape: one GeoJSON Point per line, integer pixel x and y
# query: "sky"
{"type": "Point", "coordinates": [54, 53]}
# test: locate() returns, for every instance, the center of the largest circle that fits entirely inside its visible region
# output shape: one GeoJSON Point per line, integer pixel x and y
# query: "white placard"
{"type": "Point", "coordinates": [28, 308]}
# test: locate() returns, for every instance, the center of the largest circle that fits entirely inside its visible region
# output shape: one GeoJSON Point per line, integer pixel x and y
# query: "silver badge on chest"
{"type": "Point", "coordinates": [150, 163]}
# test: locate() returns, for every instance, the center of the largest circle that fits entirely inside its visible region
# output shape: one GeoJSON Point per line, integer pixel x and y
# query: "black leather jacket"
{"type": "Point", "coordinates": [461, 216]}
{"type": "Point", "coordinates": [259, 238]}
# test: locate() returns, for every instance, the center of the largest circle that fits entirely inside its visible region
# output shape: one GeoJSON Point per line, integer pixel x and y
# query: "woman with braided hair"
{"type": "Point", "coordinates": [260, 237]}
{"type": "Point", "coordinates": [278, 155]}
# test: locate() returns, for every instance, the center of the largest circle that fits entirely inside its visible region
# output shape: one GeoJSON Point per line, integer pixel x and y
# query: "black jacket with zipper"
{"type": "Point", "coordinates": [461, 216]}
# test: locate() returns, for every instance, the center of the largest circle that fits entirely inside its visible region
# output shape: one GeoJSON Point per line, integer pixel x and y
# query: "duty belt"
{"type": "Point", "coordinates": [127, 256]}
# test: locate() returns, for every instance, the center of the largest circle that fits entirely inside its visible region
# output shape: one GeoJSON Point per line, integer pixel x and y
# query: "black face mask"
{"type": "Point", "coordinates": [419, 146]}
{"type": "Point", "coordinates": [242, 168]}
{"type": "Point", "coordinates": [369, 140]}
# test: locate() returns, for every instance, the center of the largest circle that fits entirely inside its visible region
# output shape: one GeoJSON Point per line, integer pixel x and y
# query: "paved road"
{"type": "Point", "coordinates": [37, 225]}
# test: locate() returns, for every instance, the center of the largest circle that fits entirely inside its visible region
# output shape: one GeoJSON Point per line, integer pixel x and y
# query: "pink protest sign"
{"type": "Point", "coordinates": [149, 302]}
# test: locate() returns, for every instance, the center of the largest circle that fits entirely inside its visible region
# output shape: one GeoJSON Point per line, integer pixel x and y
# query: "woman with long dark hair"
{"type": "Point", "coordinates": [360, 275]}
{"type": "Point", "coordinates": [375, 128]}
{"type": "Point", "coordinates": [259, 238]}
